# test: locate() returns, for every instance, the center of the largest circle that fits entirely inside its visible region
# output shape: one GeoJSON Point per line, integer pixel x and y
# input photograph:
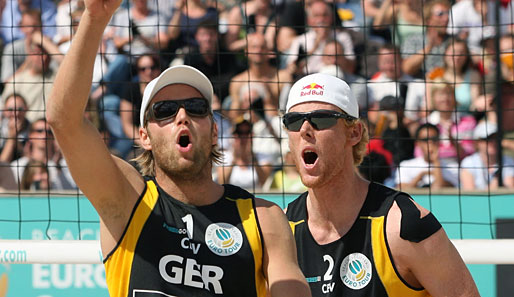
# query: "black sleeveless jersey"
{"type": "Point", "coordinates": [174, 249]}
{"type": "Point", "coordinates": [357, 264]}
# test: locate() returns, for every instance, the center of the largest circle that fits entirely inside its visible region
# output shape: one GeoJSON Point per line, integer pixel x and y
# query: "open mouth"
{"type": "Point", "coordinates": [309, 157]}
{"type": "Point", "coordinates": [183, 140]}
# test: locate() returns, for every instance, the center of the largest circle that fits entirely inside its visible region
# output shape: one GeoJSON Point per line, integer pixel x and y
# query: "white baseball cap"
{"type": "Point", "coordinates": [321, 87]}
{"type": "Point", "coordinates": [484, 129]}
{"type": "Point", "coordinates": [181, 74]}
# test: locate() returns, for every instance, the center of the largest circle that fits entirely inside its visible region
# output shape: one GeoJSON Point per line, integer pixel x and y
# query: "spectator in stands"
{"type": "Point", "coordinates": [241, 166]}
{"type": "Point", "coordinates": [212, 59]}
{"type": "Point", "coordinates": [480, 170]}
{"type": "Point", "coordinates": [287, 179]}
{"type": "Point", "coordinates": [266, 129]}
{"type": "Point", "coordinates": [386, 123]}
{"type": "Point", "coordinates": [33, 81]}
{"type": "Point", "coordinates": [35, 176]}
{"type": "Point", "coordinates": [305, 54]}
{"type": "Point", "coordinates": [291, 23]}
{"type": "Point", "coordinates": [390, 79]}
{"type": "Point", "coordinates": [458, 69]}
{"type": "Point", "coordinates": [147, 69]}
{"type": "Point", "coordinates": [455, 128]}
{"type": "Point", "coordinates": [42, 147]}
{"type": "Point", "coordinates": [253, 16]}
{"type": "Point", "coordinates": [474, 19]}
{"type": "Point", "coordinates": [427, 170]}
{"type": "Point", "coordinates": [422, 52]}
{"type": "Point", "coordinates": [15, 52]}
{"type": "Point", "coordinates": [64, 19]}
{"type": "Point", "coordinates": [14, 128]}
{"type": "Point", "coordinates": [139, 30]}
{"type": "Point", "coordinates": [374, 167]}
{"type": "Point", "coordinates": [11, 17]}
{"type": "Point", "coordinates": [7, 181]}
{"type": "Point", "coordinates": [134, 31]}
{"type": "Point", "coordinates": [403, 17]}
{"type": "Point", "coordinates": [261, 72]}
{"type": "Point", "coordinates": [184, 22]}
{"type": "Point", "coordinates": [333, 63]}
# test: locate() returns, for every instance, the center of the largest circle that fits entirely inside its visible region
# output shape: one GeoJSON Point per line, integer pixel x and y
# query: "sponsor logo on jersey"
{"type": "Point", "coordinates": [356, 271]}
{"type": "Point", "coordinates": [174, 229]}
{"type": "Point", "coordinates": [223, 239]}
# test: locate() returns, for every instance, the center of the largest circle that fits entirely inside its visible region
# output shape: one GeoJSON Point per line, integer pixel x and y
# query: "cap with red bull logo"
{"type": "Point", "coordinates": [312, 86]}
{"type": "Point", "coordinates": [320, 87]}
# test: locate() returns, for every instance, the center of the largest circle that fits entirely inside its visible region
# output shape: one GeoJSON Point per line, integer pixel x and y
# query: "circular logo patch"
{"type": "Point", "coordinates": [356, 271]}
{"type": "Point", "coordinates": [223, 239]}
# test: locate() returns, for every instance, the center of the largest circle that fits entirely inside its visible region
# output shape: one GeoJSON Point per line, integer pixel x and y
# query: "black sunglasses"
{"type": "Point", "coordinates": [319, 119]}
{"type": "Point", "coordinates": [163, 110]}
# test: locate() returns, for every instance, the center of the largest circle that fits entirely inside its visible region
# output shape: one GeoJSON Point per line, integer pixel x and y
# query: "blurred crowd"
{"type": "Point", "coordinates": [425, 73]}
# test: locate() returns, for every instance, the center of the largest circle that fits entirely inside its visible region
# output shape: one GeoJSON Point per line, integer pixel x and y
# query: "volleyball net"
{"type": "Point", "coordinates": [450, 69]}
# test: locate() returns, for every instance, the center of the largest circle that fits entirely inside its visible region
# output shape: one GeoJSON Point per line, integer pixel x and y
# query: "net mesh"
{"type": "Point", "coordinates": [409, 67]}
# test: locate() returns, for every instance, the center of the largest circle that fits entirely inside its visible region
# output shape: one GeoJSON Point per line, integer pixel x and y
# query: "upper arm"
{"type": "Point", "coordinates": [432, 263]}
{"type": "Point", "coordinates": [280, 262]}
{"type": "Point", "coordinates": [110, 184]}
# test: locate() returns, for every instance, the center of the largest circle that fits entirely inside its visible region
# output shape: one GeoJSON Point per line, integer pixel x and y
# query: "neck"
{"type": "Point", "coordinates": [259, 70]}
{"type": "Point", "coordinates": [208, 56]}
{"type": "Point", "coordinates": [188, 190]}
{"type": "Point", "coordinates": [334, 207]}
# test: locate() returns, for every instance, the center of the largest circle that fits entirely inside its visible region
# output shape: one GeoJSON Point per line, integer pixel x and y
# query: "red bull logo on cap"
{"type": "Point", "coordinates": [312, 89]}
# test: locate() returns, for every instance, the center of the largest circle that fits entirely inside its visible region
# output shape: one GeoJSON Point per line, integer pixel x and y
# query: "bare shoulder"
{"type": "Point", "coordinates": [268, 211]}
{"type": "Point", "coordinates": [420, 249]}
{"type": "Point", "coordinates": [133, 176]}
{"type": "Point", "coordinates": [240, 78]}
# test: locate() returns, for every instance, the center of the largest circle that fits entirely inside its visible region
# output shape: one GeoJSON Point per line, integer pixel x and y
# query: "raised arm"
{"type": "Point", "coordinates": [280, 262]}
{"type": "Point", "coordinates": [96, 172]}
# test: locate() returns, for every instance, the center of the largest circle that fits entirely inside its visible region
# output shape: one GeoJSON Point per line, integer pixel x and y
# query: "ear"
{"type": "Point", "coordinates": [144, 136]}
{"type": "Point", "coordinates": [355, 133]}
{"type": "Point", "coordinates": [214, 133]}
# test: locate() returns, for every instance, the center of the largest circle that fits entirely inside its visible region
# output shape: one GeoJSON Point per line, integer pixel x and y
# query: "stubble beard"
{"type": "Point", "coordinates": [174, 166]}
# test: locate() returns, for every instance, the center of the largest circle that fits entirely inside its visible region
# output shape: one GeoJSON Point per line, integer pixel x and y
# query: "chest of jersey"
{"type": "Point", "coordinates": [184, 250]}
{"type": "Point", "coordinates": [341, 268]}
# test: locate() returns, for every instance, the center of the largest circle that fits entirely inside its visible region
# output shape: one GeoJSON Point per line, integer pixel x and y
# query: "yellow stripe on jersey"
{"type": "Point", "coordinates": [293, 225]}
{"type": "Point", "coordinates": [249, 220]}
{"type": "Point", "coordinates": [118, 267]}
{"type": "Point", "coordinates": [393, 285]}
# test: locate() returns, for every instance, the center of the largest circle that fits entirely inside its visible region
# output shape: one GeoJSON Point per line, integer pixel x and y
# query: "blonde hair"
{"type": "Point", "coordinates": [359, 150]}
{"type": "Point", "coordinates": [440, 84]}
{"type": "Point", "coordinates": [146, 162]}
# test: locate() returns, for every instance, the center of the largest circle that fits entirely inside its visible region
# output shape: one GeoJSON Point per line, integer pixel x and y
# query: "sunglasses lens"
{"type": "Point", "coordinates": [165, 109]}
{"type": "Point", "coordinates": [196, 106]}
{"type": "Point", "coordinates": [320, 122]}
{"type": "Point", "coordinates": [293, 121]}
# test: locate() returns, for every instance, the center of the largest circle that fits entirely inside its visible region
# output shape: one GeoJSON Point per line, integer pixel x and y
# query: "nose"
{"type": "Point", "coordinates": [306, 130]}
{"type": "Point", "coordinates": [182, 118]}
